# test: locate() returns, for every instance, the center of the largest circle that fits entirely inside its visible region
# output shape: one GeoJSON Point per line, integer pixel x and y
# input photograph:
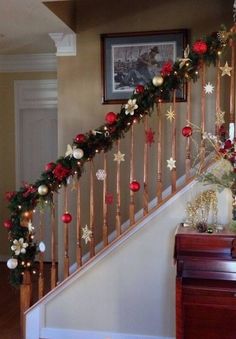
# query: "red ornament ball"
{"type": "Point", "coordinates": [134, 186]}
{"type": "Point", "coordinates": [200, 47]}
{"type": "Point", "coordinates": [187, 131]}
{"type": "Point", "coordinates": [111, 118]}
{"type": "Point", "coordinates": [139, 89]}
{"type": "Point", "coordinates": [80, 138]}
{"type": "Point", "coordinates": [228, 144]}
{"type": "Point", "coordinates": [66, 218]}
{"type": "Point", "coordinates": [50, 166]}
{"type": "Point", "coordinates": [7, 223]}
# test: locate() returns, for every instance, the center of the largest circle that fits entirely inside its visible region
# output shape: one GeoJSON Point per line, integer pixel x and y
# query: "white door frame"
{"type": "Point", "coordinates": [31, 94]}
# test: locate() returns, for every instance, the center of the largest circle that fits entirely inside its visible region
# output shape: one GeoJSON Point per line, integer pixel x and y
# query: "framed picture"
{"type": "Point", "coordinates": [129, 59]}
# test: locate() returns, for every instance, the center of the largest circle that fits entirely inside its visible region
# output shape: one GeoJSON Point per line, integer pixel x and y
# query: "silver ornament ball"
{"type": "Point", "coordinates": [43, 190]}
{"type": "Point", "coordinates": [157, 80]}
{"type": "Point", "coordinates": [42, 247]}
{"type": "Point", "coordinates": [12, 263]}
{"type": "Point", "coordinates": [78, 153]}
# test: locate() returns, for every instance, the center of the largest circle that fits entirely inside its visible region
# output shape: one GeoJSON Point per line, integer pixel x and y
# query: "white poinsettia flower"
{"type": "Point", "coordinates": [130, 107]}
{"type": "Point", "coordinates": [19, 246]}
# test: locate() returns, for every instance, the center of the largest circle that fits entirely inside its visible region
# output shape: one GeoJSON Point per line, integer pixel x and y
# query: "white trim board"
{"type": "Point", "coordinates": [59, 333]}
{"type": "Point", "coordinates": [46, 62]}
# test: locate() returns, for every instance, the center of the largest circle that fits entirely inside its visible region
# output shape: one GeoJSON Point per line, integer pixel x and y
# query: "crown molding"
{"type": "Point", "coordinates": [46, 62]}
{"type": "Point", "coordinates": [65, 43]}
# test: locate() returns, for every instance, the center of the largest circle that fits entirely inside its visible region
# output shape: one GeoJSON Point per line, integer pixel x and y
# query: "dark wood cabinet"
{"type": "Point", "coordinates": [205, 285]}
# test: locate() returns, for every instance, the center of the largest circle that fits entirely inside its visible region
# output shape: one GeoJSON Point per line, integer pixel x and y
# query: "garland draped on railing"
{"type": "Point", "coordinates": [85, 146]}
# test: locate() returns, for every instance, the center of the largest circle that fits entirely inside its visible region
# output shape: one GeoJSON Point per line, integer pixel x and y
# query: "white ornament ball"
{"type": "Point", "coordinates": [157, 80]}
{"type": "Point", "coordinates": [42, 246]}
{"type": "Point", "coordinates": [78, 153]}
{"type": "Point", "coordinates": [12, 263]}
{"type": "Point", "coordinates": [43, 190]}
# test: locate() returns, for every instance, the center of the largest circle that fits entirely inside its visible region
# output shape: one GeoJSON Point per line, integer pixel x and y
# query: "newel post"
{"type": "Point", "coordinates": [25, 299]}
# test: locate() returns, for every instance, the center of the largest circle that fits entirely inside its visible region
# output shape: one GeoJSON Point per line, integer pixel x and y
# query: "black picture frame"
{"type": "Point", "coordinates": [120, 57]}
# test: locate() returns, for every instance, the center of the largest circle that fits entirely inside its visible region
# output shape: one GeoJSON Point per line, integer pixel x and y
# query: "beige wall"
{"type": "Point", "coordinates": [7, 141]}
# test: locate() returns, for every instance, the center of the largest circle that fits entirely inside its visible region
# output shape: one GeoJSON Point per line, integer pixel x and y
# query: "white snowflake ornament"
{"type": "Point", "coordinates": [171, 163]}
{"type": "Point", "coordinates": [208, 88]}
{"type": "Point", "coordinates": [87, 233]}
{"type": "Point", "coordinates": [101, 174]}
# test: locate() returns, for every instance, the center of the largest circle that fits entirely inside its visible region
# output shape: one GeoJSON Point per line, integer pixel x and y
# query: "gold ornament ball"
{"type": "Point", "coordinates": [157, 80]}
{"type": "Point", "coordinates": [43, 190]}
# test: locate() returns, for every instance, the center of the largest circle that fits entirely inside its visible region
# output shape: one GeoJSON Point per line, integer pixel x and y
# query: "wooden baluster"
{"type": "Point", "coordinates": [53, 247]}
{"type": "Point", "coordinates": [159, 153]}
{"type": "Point", "coordinates": [92, 242]}
{"type": "Point", "coordinates": [25, 299]}
{"type": "Point", "coordinates": [145, 170]}
{"type": "Point", "coordinates": [131, 205]}
{"type": "Point", "coordinates": [41, 258]}
{"type": "Point", "coordinates": [218, 89]}
{"type": "Point", "coordinates": [78, 229]}
{"type": "Point", "coordinates": [203, 116]}
{"type": "Point", "coordinates": [118, 200]}
{"type": "Point", "coordinates": [105, 209]}
{"type": "Point", "coordinates": [232, 132]}
{"type": "Point", "coordinates": [173, 144]}
{"type": "Point", "coordinates": [66, 236]}
{"type": "Point", "coordinates": [188, 141]}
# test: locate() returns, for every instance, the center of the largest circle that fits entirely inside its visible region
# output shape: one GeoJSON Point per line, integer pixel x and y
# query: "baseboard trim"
{"type": "Point", "coordinates": [59, 333]}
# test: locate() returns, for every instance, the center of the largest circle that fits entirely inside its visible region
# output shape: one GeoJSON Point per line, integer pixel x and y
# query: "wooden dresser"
{"type": "Point", "coordinates": [205, 284]}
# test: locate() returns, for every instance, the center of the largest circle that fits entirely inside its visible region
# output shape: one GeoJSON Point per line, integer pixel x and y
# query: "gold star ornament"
{"type": "Point", "coordinates": [170, 115]}
{"type": "Point", "coordinates": [226, 70]}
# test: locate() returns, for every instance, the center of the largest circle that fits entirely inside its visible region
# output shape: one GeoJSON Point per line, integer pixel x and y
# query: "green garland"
{"type": "Point", "coordinates": [56, 174]}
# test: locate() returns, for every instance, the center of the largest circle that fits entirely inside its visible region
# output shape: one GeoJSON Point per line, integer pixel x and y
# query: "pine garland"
{"type": "Point", "coordinates": [102, 139]}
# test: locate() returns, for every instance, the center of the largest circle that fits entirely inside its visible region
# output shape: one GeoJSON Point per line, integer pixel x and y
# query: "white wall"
{"type": "Point", "coordinates": [132, 290]}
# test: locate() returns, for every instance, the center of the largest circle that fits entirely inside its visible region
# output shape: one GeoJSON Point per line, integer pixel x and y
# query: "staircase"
{"type": "Point", "coordinates": [124, 188]}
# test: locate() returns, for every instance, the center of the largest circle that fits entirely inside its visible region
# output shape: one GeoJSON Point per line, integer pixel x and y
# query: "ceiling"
{"type": "Point", "coordinates": [24, 27]}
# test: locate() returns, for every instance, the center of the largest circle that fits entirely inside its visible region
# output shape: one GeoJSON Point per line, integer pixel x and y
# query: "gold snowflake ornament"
{"type": "Point", "coordinates": [87, 233]}
{"type": "Point", "coordinates": [171, 163]}
{"type": "Point", "coordinates": [130, 107]}
{"type": "Point", "coordinates": [220, 118]}
{"type": "Point", "coordinates": [170, 115]}
{"type": "Point", "coordinates": [119, 157]}
{"type": "Point", "coordinates": [226, 70]}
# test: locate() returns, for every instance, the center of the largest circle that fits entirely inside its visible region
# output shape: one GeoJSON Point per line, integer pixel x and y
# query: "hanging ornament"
{"type": "Point", "coordinates": [66, 218]}
{"type": "Point", "coordinates": [109, 198]}
{"type": "Point", "coordinates": [134, 186]}
{"type": "Point", "coordinates": [7, 223]}
{"type": "Point", "coordinates": [30, 227]}
{"type": "Point", "coordinates": [42, 247]}
{"type": "Point", "coordinates": [139, 89]}
{"type": "Point", "coordinates": [119, 157]}
{"type": "Point", "coordinates": [222, 36]}
{"type": "Point", "coordinates": [220, 118]}
{"type": "Point", "coordinates": [170, 115]}
{"type": "Point", "coordinates": [111, 118]}
{"type": "Point", "coordinates": [131, 106]}
{"type": "Point", "coordinates": [101, 174]}
{"type": "Point", "coordinates": [171, 163]}
{"type": "Point", "coordinates": [208, 88]}
{"type": "Point", "coordinates": [149, 136]}
{"type": "Point", "coordinates": [43, 190]}
{"type": "Point", "coordinates": [78, 153]}
{"type": "Point", "coordinates": [199, 47]}
{"type": "Point", "coordinates": [187, 131]}
{"type": "Point", "coordinates": [226, 70]}
{"type": "Point", "coordinates": [50, 166]}
{"type": "Point", "coordinates": [87, 234]}
{"type": "Point", "coordinates": [80, 138]}
{"type": "Point", "coordinates": [19, 246]}
{"type": "Point", "coordinates": [25, 218]}
{"type": "Point", "coordinates": [157, 80]}
{"type": "Point", "coordinates": [12, 263]}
